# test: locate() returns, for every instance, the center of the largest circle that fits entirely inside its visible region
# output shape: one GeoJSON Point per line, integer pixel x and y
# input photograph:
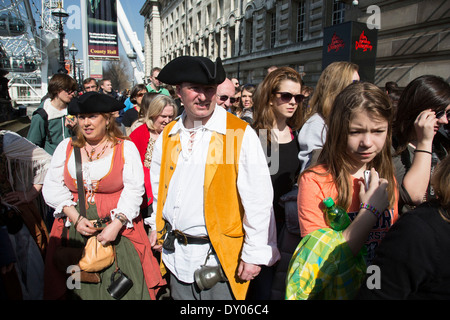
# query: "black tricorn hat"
{"type": "Point", "coordinates": [94, 102]}
{"type": "Point", "coordinates": [192, 69]}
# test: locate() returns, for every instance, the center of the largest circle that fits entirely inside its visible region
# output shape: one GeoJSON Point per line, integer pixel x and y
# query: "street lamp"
{"type": "Point", "coordinates": [80, 77]}
{"type": "Point", "coordinates": [60, 16]}
{"type": "Point", "coordinates": [73, 51]}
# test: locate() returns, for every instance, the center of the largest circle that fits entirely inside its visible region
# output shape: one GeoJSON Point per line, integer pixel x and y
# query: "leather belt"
{"type": "Point", "coordinates": [186, 239]}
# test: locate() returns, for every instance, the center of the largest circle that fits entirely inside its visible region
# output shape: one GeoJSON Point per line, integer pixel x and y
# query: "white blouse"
{"type": "Point", "coordinates": [57, 195]}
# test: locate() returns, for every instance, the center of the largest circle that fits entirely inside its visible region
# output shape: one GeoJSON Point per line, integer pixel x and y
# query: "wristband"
{"type": "Point", "coordinates": [122, 218]}
{"type": "Point", "coordinates": [78, 220]}
{"type": "Point", "coordinates": [424, 151]}
{"type": "Point", "coordinates": [371, 209]}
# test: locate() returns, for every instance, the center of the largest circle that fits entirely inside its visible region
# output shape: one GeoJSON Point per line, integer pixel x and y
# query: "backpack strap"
{"type": "Point", "coordinates": [44, 116]}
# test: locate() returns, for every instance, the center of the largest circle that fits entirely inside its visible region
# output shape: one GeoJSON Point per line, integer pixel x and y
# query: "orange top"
{"type": "Point", "coordinates": [313, 188]}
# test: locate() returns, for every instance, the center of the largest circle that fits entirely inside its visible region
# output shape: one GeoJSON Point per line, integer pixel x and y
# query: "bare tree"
{"type": "Point", "coordinates": [120, 74]}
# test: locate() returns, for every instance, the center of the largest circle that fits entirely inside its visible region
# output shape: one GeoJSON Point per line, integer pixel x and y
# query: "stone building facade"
{"type": "Point", "coordinates": [252, 35]}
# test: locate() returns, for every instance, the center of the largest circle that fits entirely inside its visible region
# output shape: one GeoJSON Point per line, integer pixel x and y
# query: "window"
{"type": "Point", "coordinates": [300, 22]}
{"type": "Point", "coordinates": [249, 34]}
{"type": "Point", "coordinates": [338, 12]}
{"type": "Point", "coordinates": [220, 9]}
{"type": "Point", "coordinates": [218, 45]}
{"type": "Point", "coordinates": [208, 14]}
{"type": "Point", "coordinates": [273, 28]}
{"type": "Point", "coordinates": [231, 41]}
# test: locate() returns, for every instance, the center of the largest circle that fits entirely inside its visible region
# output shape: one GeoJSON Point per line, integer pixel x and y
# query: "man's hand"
{"type": "Point", "coordinates": [153, 241]}
{"type": "Point", "coordinates": [248, 271]}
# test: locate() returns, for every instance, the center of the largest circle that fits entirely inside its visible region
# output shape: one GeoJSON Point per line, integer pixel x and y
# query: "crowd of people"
{"type": "Point", "coordinates": [211, 190]}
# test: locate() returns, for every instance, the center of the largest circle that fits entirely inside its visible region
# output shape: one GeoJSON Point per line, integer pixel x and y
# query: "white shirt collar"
{"type": "Point", "coordinates": [217, 122]}
{"type": "Point", "coordinates": [52, 112]}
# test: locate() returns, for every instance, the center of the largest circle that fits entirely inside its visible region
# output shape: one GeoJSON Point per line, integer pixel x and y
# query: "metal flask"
{"type": "Point", "coordinates": [206, 277]}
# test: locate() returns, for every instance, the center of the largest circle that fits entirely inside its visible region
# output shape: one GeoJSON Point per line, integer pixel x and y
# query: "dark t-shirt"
{"type": "Point", "coordinates": [413, 258]}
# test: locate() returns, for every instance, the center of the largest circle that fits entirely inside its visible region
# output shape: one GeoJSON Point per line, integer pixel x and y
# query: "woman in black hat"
{"type": "Point", "coordinates": [114, 184]}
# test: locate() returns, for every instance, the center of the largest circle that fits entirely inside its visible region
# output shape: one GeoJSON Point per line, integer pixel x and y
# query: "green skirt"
{"type": "Point", "coordinates": [127, 260]}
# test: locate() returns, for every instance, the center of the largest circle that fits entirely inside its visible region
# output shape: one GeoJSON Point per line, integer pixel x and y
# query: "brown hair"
{"type": "Point", "coordinates": [263, 114]}
{"type": "Point", "coordinates": [135, 90]}
{"type": "Point", "coordinates": [425, 92]}
{"type": "Point", "coordinates": [60, 82]}
{"type": "Point", "coordinates": [358, 97]}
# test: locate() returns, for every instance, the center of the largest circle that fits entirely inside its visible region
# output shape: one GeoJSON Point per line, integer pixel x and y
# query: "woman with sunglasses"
{"type": "Point", "coordinates": [131, 115]}
{"type": "Point", "coordinates": [48, 133]}
{"type": "Point", "coordinates": [332, 81]}
{"type": "Point", "coordinates": [277, 117]}
{"type": "Point", "coordinates": [423, 108]}
{"type": "Point", "coordinates": [246, 102]}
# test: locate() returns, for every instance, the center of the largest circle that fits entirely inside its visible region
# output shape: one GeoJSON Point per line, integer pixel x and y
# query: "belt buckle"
{"type": "Point", "coordinates": [98, 224]}
{"type": "Point", "coordinates": [181, 237]}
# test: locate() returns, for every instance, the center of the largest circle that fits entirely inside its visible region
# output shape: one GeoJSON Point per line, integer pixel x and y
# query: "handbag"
{"type": "Point", "coordinates": [96, 257]}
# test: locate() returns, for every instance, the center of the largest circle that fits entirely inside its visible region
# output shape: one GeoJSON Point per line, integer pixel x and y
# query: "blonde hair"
{"type": "Point", "coordinates": [332, 81]}
{"type": "Point", "coordinates": [441, 182]}
{"type": "Point", "coordinates": [156, 107]}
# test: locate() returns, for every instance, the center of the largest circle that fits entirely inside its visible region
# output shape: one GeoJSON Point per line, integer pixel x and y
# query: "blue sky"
{"type": "Point", "coordinates": [73, 28]}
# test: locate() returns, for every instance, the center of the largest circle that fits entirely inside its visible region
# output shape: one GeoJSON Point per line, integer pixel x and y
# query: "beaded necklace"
{"type": "Point", "coordinates": [90, 155]}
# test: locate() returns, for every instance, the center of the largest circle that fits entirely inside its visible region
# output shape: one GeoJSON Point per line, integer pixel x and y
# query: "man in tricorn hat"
{"type": "Point", "coordinates": [212, 191]}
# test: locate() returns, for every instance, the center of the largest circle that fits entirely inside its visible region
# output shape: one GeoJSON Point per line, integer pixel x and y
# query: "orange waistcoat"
{"type": "Point", "coordinates": [222, 205]}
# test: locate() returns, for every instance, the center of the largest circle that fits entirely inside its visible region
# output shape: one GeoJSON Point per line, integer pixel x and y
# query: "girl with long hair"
{"type": "Point", "coordinates": [358, 139]}
{"type": "Point", "coordinates": [277, 117]}
{"type": "Point", "coordinates": [423, 109]}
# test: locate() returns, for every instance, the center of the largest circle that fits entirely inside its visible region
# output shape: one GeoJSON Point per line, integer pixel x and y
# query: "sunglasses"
{"type": "Point", "coordinates": [287, 97]}
{"type": "Point", "coordinates": [69, 91]}
{"type": "Point", "coordinates": [225, 98]}
{"type": "Point", "coordinates": [441, 113]}
{"type": "Point", "coordinates": [140, 94]}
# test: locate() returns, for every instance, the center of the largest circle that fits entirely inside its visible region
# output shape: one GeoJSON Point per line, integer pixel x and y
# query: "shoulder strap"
{"type": "Point", "coordinates": [2, 134]}
{"type": "Point", "coordinates": [80, 183]}
{"type": "Point", "coordinates": [44, 116]}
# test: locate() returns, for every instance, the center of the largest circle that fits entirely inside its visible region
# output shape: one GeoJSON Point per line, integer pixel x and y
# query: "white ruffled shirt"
{"type": "Point", "coordinates": [57, 195]}
{"type": "Point", "coordinates": [184, 206]}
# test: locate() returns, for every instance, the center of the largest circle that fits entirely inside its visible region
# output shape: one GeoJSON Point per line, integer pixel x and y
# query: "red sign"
{"type": "Point", "coordinates": [363, 43]}
{"type": "Point", "coordinates": [336, 43]}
